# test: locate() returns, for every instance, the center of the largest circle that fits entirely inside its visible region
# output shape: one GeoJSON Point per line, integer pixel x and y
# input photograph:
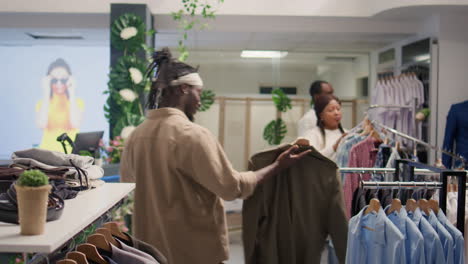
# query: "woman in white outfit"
{"type": "Point", "coordinates": [328, 133]}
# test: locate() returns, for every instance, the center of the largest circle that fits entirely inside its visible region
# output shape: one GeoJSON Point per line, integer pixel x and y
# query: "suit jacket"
{"type": "Point", "coordinates": [456, 133]}
{"type": "Point", "coordinates": [289, 216]}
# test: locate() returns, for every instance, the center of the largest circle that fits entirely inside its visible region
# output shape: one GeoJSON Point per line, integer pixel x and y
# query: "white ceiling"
{"type": "Point", "coordinates": [293, 42]}
{"type": "Point", "coordinates": [294, 61]}
{"type": "Point", "coordinates": [301, 34]}
{"type": "Point", "coordinates": [234, 33]}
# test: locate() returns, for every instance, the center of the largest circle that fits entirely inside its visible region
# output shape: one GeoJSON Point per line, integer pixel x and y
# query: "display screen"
{"type": "Point", "coordinates": [48, 91]}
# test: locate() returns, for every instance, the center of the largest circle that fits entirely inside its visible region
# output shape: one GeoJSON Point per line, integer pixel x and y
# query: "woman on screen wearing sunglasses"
{"type": "Point", "coordinates": [59, 111]}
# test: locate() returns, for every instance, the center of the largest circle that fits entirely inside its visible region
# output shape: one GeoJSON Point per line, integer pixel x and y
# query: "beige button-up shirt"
{"type": "Point", "coordinates": [181, 172]}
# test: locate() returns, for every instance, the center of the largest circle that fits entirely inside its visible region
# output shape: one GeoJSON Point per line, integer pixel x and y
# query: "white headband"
{"type": "Point", "coordinates": [193, 79]}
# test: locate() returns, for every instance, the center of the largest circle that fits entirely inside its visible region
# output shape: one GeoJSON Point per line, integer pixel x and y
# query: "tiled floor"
{"type": "Point", "coordinates": [236, 251]}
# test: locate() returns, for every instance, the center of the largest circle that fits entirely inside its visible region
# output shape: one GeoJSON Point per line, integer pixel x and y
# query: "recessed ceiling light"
{"type": "Point", "coordinates": [263, 54]}
{"type": "Point", "coordinates": [422, 57]}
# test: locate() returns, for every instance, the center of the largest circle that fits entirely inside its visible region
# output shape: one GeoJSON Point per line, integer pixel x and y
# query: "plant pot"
{"type": "Point", "coordinates": [32, 208]}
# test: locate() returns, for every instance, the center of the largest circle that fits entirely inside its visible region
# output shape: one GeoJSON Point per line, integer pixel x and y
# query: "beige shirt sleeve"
{"type": "Point", "coordinates": [207, 164]}
{"type": "Point", "coordinates": [127, 174]}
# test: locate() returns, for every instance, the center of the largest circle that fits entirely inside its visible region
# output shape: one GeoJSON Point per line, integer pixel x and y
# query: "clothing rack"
{"type": "Point", "coordinates": [417, 141]}
{"type": "Point", "coordinates": [411, 108]}
{"type": "Point", "coordinates": [401, 185]}
{"type": "Point", "coordinates": [380, 170]}
{"type": "Point", "coordinates": [444, 174]}
{"type": "Point", "coordinates": [432, 185]}
{"type": "Point", "coordinates": [389, 106]}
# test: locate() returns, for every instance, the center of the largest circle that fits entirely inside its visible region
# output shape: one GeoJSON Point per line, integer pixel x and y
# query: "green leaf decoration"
{"type": "Point", "coordinates": [188, 19]}
{"type": "Point", "coordinates": [85, 153]}
{"type": "Point", "coordinates": [117, 110]}
{"type": "Point", "coordinates": [120, 124]}
{"type": "Point", "coordinates": [148, 50]}
{"type": "Point", "coordinates": [281, 100]}
{"type": "Point", "coordinates": [124, 22]}
{"type": "Point", "coordinates": [275, 131]}
{"type": "Point", "coordinates": [207, 99]}
{"type": "Point", "coordinates": [120, 76]}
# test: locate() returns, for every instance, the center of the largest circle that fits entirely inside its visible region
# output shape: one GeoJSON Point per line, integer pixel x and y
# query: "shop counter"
{"type": "Point", "coordinates": [78, 213]}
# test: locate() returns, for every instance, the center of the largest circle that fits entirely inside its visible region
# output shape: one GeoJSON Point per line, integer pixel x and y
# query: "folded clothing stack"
{"type": "Point", "coordinates": [9, 206]}
{"type": "Point", "coordinates": [51, 160]}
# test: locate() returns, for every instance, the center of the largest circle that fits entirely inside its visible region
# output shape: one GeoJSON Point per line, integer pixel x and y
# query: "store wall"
{"type": "Point", "coordinates": [453, 67]}
{"type": "Point", "coordinates": [344, 77]}
{"type": "Point", "coordinates": [22, 71]}
{"type": "Point", "coordinates": [228, 79]}
{"type": "Point", "coordinates": [239, 80]}
{"type": "Point", "coordinates": [449, 64]}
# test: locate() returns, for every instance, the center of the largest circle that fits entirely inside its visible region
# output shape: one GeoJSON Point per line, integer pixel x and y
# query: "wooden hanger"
{"type": "Point", "coordinates": [91, 253]}
{"type": "Point", "coordinates": [99, 240]}
{"type": "Point", "coordinates": [424, 205]}
{"type": "Point", "coordinates": [434, 205]}
{"type": "Point", "coordinates": [107, 234]}
{"type": "Point", "coordinates": [411, 205]}
{"type": "Point", "coordinates": [374, 206]}
{"type": "Point", "coordinates": [397, 146]}
{"type": "Point", "coordinates": [115, 230]}
{"type": "Point", "coordinates": [395, 206]}
{"type": "Point", "coordinates": [375, 135]}
{"type": "Point", "coordinates": [66, 261]}
{"type": "Point", "coordinates": [386, 140]}
{"type": "Point", "coordinates": [79, 257]}
{"type": "Point", "coordinates": [367, 129]}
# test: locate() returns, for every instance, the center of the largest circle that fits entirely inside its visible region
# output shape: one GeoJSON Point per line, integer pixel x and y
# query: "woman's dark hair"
{"type": "Point", "coordinates": [319, 106]}
{"type": "Point", "coordinates": [316, 88]}
{"type": "Point", "coordinates": [162, 71]}
{"type": "Point", "coordinates": [59, 63]}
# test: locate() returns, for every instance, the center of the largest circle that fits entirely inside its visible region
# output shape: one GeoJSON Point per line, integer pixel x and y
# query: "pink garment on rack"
{"type": "Point", "coordinates": [362, 155]}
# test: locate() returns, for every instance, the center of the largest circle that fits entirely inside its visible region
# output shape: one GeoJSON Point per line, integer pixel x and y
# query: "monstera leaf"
{"type": "Point", "coordinates": [281, 100]}
{"type": "Point", "coordinates": [207, 99]}
{"type": "Point", "coordinates": [126, 74]}
{"type": "Point", "coordinates": [275, 131]}
{"type": "Point", "coordinates": [128, 33]}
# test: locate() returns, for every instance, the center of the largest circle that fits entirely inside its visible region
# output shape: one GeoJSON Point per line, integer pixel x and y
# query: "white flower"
{"type": "Point", "coordinates": [128, 95]}
{"type": "Point", "coordinates": [420, 116]}
{"type": "Point", "coordinates": [128, 32]}
{"type": "Point", "coordinates": [136, 75]}
{"type": "Point", "coordinates": [126, 131]}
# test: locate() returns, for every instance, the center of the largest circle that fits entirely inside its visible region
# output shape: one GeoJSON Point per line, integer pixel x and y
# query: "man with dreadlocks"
{"type": "Point", "coordinates": [181, 171]}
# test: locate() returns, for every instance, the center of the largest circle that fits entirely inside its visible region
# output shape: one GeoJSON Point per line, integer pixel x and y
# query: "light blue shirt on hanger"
{"type": "Point", "coordinates": [342, 153]}
{"type": "Point", "coordinates": [373, 238]}
{"type": "Point", "coordinates": [414, 240]}
{"type": "Point", "coordinates": [458, 240]}
{"type": "Point", "coordinates": [433, 250]}
{"type": "Point", "coordinates": [444, 235]}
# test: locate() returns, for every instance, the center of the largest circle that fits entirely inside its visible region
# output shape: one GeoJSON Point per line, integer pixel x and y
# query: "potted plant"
{"type": "Point", "coordinates": [32, 189]}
